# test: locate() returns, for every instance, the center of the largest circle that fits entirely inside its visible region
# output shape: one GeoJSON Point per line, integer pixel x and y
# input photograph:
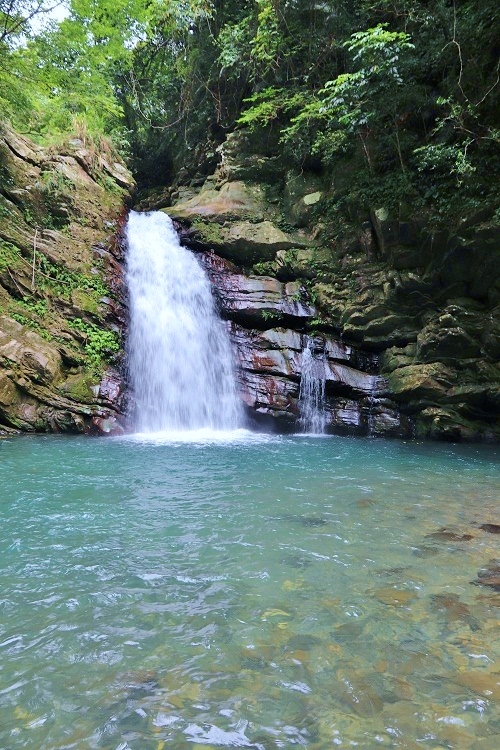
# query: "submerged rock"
{"type": "Point", "coordinates": [303, 642]}
{"type": "Point", "coordinates": [296, 561]}
{"type": "Point", "coordinates": [395, 597]}
{"type": "Point", "coordinates": [492, 528]}
{"type": "Point", "coordinates": [489, 576]}
{"type": "Point", "coordinates": [357, 694]}
{"type": "Point", "coordinates": [453, 610]}
{"type": "Point", "coordinates": [445, 535]}
{"type": "Point", "coordinates": [306, 521]}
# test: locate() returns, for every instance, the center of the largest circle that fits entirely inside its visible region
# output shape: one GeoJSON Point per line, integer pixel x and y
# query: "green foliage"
{"type": "Point", "coordinates": [361, 103]}
{"type": "Point", "coordinates": [267, 46]}
{"type": "Point", "coordinates": [264, 268]}
{"type": "Point", "coordinates": [60, 281]}
{"type": "Point", "coordinates": [31, 312]}
{"type": "Point", "coordinates": [38, 307]}
{"type": "Point", "coordinates": [233, 43]}
{"type": "Point", "coordinates": [269, 105]}
{"type": "Point", "coordinates": [404, 89]}
{"type": "Point", "coordinates": [66, 71]}
{"type": "Point", "coordinates": [270, 316]}
{"type": "Point", "coordinates": [100, 344]}
{"type": "Point", "coordinates": [10, 256]}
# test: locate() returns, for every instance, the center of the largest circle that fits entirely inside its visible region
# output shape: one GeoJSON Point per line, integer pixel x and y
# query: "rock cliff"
{"type": "Point", "coordinates": [403, 320]}
{"type": "Point", "coordinates": [399, 321]}
{"type": "Point", "coordinates": [61, 289]}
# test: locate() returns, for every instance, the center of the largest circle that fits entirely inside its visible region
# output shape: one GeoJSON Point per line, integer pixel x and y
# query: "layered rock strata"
{"type": "Point", "coordinates": [270, 327]}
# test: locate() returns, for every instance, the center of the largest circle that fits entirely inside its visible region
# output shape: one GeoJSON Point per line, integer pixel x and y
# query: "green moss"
{"type": "Point", "coordinates": [267, 268]}
{"type": "Point", "coordinates": [10, 256]}
{"type": "Point", "coordinates": [85, 301]}
{"type": "Point", "coordinates": [79, 388]}
{"type": "Point", "coordinates": [99, 344]}
{"type": "Point", "coordinates": [208, 232]}
{"type": "Point", "coordinates": [32, 313]}
{"type": "Point", "coordinates": [63, 283]}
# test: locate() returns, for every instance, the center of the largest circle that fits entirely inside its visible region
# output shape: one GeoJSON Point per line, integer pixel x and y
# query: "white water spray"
{"type": "Point", "coordinates": [312, 392]}
{"type": "Point", "coordinates": [179, 355]}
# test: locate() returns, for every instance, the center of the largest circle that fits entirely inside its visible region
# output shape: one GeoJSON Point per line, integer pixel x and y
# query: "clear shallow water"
{"type": "Point", "coordinates": [247, 592]}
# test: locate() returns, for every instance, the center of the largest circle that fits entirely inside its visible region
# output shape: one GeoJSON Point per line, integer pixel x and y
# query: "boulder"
{"type": "Point", "coordinates": [303, 192]}
{"type": "Point", "coordinates": [421, 383]}
{"type": "Point", "coordinates": [232, 202]}
{"type": "Point", "coordinates": [473, 262]}
{"type": "Point", "coordinates": [26, 355]}
{"type": "Point", "coordinates": [249, 157]}
{"type": "Point", "coordinates": [245, 242]}
{"type": "Point", "coordinates": [435, 344]}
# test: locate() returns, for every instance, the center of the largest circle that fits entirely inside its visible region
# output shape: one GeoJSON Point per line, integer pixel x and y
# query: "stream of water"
{"type": "Point", "coordinates": [247, 591]}
{"type": "Point", "coordinates": [312, 393]}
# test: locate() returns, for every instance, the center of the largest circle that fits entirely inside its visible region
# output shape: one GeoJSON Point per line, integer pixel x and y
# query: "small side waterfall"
{"type": "Point", "coordinates": [312, 392]}
{"type": "Point", "coordinates": [179, 355]}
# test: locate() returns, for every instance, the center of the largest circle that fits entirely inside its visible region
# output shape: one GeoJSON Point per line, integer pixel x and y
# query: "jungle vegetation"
{"type": "Point", "coordinates": [410, 88]}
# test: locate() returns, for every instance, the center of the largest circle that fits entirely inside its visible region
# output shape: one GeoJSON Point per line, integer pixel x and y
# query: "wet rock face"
{"type": "Point", "coordinates": [270, 371]}
{"type": "Point", "coordinates": [271, 319]}
{"type": "Point", "coordinates": [268, 322]}
{"type": "Point", "coordinates": [37, 393]}
{"type": "Point", "coordinates": [256, 299]}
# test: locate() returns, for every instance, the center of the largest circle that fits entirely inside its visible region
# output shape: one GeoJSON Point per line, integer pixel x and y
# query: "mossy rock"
{"type": "Point", "coordinates": [44, 190]}
{"type": "Point", "coordinates": [80, 388]}
{"type": "Point", "coordinates": [440, 423]}
{"type": "Point", "coordinates": [396, 357]}
{"type": "Point", "coordinates": [83, 302]}
{"type": "Point", "coordinates": [246, 242]}
{"type": "Point", "coordinates": [304, 262]}
{"type": "Point", "coordinates": [234, 201]}
{"type": "Point", "coordinates": [302, 195]}
{"type": "Point", "coordinates": [442, 343]}
{"type": "Point", "coordinates": [421, 383]}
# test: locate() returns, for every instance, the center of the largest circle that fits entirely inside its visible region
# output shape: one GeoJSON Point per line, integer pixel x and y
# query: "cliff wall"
{"type": "Point", "coordinates": [402, 317]}
{"type": "Point", "coordinates": [61, 289]}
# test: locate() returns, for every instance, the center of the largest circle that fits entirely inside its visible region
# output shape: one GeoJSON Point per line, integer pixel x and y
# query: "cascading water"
{"type": "Point", "coordinates": [312, 392]}
{"type": "Point", "coordinates": [179, 355]}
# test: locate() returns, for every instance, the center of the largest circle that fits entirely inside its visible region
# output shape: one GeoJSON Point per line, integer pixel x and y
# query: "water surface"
{"type": "Point", "coordinates": [160, 592]}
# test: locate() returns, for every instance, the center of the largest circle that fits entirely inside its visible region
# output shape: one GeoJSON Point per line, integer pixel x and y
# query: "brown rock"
{"type": "Point", "coordinates": [395, 597]}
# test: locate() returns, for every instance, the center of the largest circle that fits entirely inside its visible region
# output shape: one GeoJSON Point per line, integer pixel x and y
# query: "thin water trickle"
{"type": "Point", "coordinates": [312, 392]}
{"type": "Point", "coordinates": [178, 351]}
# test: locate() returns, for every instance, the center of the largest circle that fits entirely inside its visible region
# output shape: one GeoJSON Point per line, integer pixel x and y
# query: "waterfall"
{"type": "Point", "coordinates": [178, 351]}
{"type": "Point", "coordinates": [312, 392]}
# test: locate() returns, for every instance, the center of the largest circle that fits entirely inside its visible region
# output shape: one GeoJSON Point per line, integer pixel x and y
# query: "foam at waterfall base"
{"type": "Point", "coordinates": [203, 436]}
